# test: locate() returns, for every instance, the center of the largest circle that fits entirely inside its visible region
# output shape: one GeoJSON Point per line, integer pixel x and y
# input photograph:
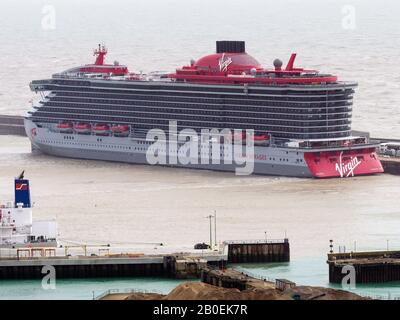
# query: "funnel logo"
{"type": "Point", "coordinates": [21, 186]}
{"type": "Point", "coordinates": [224, 62]}
{"type": "Point", "coordinates": [347, 169]}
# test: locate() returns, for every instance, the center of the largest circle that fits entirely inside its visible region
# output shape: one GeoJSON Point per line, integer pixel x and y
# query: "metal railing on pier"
{"type": "Point", "coordinates": [375, 296]}
{"type": "Point", "coordinates": [253, 275]}
{"type": "Point", "coordinates": [124, 291]}
{"type": "Point", "coordinates": [259, 241]}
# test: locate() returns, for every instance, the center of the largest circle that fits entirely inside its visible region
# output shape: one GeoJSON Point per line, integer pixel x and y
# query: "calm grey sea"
{"type": "Point", "coordinates": [122, 204]}
{"type": "Point", "coordinates": [165, 34]}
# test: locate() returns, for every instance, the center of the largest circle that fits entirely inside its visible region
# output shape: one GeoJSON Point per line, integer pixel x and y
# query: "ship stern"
{"type": "Point", "coordinates": [343, 163]}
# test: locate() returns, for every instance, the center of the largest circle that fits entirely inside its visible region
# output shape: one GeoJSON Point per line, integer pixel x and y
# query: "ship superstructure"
{"type": "Point", "coordinates": [17, 227]}
{"type": "Point", "coordinates": [301, 119]}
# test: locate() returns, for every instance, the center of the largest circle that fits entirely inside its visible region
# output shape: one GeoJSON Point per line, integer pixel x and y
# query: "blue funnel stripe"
{"type": "Point", "coordinates": [22, 194]}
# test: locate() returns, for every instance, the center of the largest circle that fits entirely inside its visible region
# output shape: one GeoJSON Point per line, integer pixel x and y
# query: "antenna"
{"type": "Point", "coordinates": [21, 175]}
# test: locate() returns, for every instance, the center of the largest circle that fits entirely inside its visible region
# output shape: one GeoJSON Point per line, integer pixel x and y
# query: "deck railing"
{"type": "Point", "coordinates": [124, 291]}
{"type": "Point", "coordinates": [259, 241]}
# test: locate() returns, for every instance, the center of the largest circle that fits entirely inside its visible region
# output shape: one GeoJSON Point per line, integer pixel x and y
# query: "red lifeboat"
{"type": "Point", "coordinates": [101, 129]}
{"type": "Point", "coordinates": [261, 139]}
{"type": "Point", "coordinates": [65, 127]}
{"type": "Point", "coordinates": [258, 139]}
{"type": "Point", "coordinates": [81, 127]}
{"type": "Point", "coordinates": [120, 130]}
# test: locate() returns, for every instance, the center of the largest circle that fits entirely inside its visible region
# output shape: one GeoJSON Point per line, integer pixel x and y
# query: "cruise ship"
{"type": "Point", "coordinates": [296, 121]}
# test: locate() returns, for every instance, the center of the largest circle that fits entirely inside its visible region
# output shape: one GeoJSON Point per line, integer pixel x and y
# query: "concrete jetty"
{"type": "Point", "coordinates": [175, 265]}
{"type": "Point", "coordinates": [369, 267]}
{"type": "Point", "coordinates": [12, 125]}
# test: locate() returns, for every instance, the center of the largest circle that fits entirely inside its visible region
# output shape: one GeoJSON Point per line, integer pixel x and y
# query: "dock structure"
{"type": "Point", "coordinates": [391, 165]}
{"type": "Point", "coordinates": [12, 125]}
{"type": "Point", "coordinates": [390, 162]}
{"type": "Point", "coordinates": [369, 267]}
{"type": "Point", "coordinates": [175, 266]}
{"type": "Point", "coordinates": [82, 267]}
{"type": "Point", "coordinates": [232, 278]}
{"type": "Point", "coordinates": [258, 251]}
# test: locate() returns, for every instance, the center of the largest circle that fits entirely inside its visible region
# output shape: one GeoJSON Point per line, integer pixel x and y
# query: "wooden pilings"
{"type": "Point", "coordinates": [83, 271]}
{"type": "Point", "coordinates": [258, 251]}
{"type": "Point", "coordinates": [367, 273]}
{"type": "Point", "coordinates": [367, 267]}
{"type": "Point", "coordinates": [173, 266]}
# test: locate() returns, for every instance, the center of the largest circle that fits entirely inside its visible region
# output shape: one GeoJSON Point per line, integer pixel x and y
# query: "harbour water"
{"type": "Point", "coordinates": [42, 37]}
{"type": "Point", "coordinates": [137, 206]}
{"type": "Point", "coordinates": [128, 205]}
{"type": "Point", "coordinates": [81, 289]}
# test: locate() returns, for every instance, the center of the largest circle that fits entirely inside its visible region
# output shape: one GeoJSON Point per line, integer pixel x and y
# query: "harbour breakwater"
{"type": "Point", "coordinates": [366, 267]}
{"type": "Point", "coordinates": [179, 266]}
{"type": "Point", "coordinates": [12, 125]}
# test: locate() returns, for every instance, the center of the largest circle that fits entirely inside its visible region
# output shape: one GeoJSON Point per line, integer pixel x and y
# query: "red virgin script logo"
{"type": "Point", "coordinates": [33, 132]}
{"type": "Point", "coordinates": [347, 169]}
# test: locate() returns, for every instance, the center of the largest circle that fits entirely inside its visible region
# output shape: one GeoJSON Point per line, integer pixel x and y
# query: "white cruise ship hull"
{"type": "Point", "coordinates": [273, 160]}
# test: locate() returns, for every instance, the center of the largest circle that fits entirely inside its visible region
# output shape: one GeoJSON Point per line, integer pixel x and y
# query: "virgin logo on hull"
{"type": "Point", "coordinates": [33, 132]}
{"type": "Point", "coordinates": [347, 169]}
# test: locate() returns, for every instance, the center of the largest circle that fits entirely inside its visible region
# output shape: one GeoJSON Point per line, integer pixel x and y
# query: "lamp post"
{"type": "Point", "coordinates": [210, 218]}
{"type": "Point", "coordinates": [215, 227]}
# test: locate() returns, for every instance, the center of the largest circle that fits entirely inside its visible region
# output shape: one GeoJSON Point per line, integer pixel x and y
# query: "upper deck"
{"type": "Point", "coordinates": [230, 65]}
{"type": "Point", "coordinates": [228, 89]}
